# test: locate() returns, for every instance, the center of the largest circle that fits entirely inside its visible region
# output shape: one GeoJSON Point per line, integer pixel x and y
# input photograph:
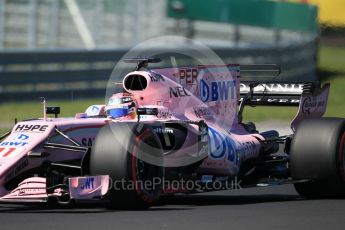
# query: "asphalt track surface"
{"type": "Point", "coordinates": [277, 207]}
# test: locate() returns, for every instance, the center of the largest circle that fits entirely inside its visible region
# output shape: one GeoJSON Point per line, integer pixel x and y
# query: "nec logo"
{"type": "Point", "coordinates": [178, 92]}
{"type": "Point", "coordinates": [217, 90]}
{"type": "Point", "coordinates": [31, 128]}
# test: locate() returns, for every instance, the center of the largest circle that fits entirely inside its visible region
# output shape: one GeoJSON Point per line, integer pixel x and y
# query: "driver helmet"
{"type": "Point", "coordinates": [121, 105]}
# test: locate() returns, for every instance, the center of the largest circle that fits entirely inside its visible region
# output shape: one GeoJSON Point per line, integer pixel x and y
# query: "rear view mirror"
{"type": "Point", "coordinates": [53, 110]}
{"type": "Point", "coordinates": [147, 111]}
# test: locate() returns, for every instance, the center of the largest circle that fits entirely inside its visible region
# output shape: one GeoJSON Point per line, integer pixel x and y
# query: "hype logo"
{"type": "Point", "coordinates": [217, 90]}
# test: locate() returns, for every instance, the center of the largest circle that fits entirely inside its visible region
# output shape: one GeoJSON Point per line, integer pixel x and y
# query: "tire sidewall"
{"type": "Point", "coordinates": [112, 154]}
{"type": "Point", "coordinates": [147, 195]}
{"type": "Point", "coordinates": [341, 154]}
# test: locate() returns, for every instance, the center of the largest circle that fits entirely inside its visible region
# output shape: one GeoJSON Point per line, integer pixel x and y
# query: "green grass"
{"type": "Point", "coordinates": [27, 110]}
{"type": "Point", "coordinates": [336, 107]}
{"type": "Point", "coordinates": [264, 113]}
{"type": "Point", "coordinates": [331, 61]}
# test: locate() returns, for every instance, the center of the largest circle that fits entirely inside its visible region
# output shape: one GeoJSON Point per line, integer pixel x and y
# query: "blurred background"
{"type": "Point", "coordinates": [65, 50]}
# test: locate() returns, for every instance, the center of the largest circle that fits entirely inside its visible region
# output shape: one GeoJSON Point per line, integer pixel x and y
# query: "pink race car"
{"type": "Point", "coordinates": [174, 130]}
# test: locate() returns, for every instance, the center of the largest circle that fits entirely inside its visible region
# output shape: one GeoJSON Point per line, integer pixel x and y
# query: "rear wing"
{"type": "Point", "coordinates": [310, 98]}
{"type": "Point", "coordinates": [259, 85]}
{"type": "Point", "coordinates": [273, 94]}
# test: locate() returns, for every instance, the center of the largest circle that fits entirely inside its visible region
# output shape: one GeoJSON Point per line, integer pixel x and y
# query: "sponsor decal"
{"type": "Point", "coordinates": [164, 114]}
{"type": "Point", "coordinates": [203, 129]}
{"type": "Point", "coordinates": [217, 90]}
{"type": "Point", "coordinates": [31, 128]}
{"type": "Point", "coordinates": [273, 100]}
{"type": "Point", "coordinates": [155, 77]}
{"type": "Point", "coordinates": [163, 130]}
{"type": "Point", "coordinates": [188, 76]}
{"type": "Point", "coordinates": [22, 165]}
{"type": "Point", "coordinates": [118, 101]}
{"type": "Point", "coordinates": [309, 105]}
{"type": "Point", "coordinates": [93, 110]}
{"type": "Point", "coordinates": [220, 145]}
{"type": "Point", "coordinates": [273, 88]}
{"type": "Point", "coordinates": [9, 152]}
{"type": "Point", "coordinates": [22, 137]}
{"type": "Point", "coordinates": [201, 112]}
{"type": "Point", "coordinates": [14, 143]}
{"type": "Point", "coordinates": [222, 178]}
{"type": "Point", "coordinates": [30, 191]}
{"type": "Point", "coordinates": [126, 99]}
{"type": "Point", "coordinates": [203, 150]}
{"type": "Point", "coordinates": [89, 183]}
{"type": "Point", "coordinates": [206, 178]}
{"type": "Point", "coordinates": [163, 103]}
{"type": "Point", "coordinates": [178, 92]}
{"type": "Point", "coordinates": [6, 151]}
{"type": "Point", "coordinates": [248, 148]}
{"type": "Point", "coordinates": [203, 139]}
{"type": "Point", "coordinates": [87, 141]}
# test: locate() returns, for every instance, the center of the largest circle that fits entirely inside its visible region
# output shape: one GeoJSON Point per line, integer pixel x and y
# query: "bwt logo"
{"type": "Point", "coordinates": [217, 90]}
{"type": "Point", "coordinates": [221, 145]}
{"type": "Point", "coordinates": [88, 184]}
{"type": "Point", "coordinates": [22, 137]}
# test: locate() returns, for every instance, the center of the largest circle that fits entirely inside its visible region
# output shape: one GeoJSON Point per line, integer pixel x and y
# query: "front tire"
{"type": "Point", "coordinates": [120, 151]}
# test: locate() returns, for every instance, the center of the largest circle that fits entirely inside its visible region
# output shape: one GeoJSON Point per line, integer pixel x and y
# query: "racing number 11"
{"type": "Point", "coordinates": [8, 152]}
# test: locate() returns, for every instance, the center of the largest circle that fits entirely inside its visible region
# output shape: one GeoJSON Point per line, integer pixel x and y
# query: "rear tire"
{"type": "Point", "coordinates": [118, 152]}
{"type": "Point", "coordinates": [318, 155]}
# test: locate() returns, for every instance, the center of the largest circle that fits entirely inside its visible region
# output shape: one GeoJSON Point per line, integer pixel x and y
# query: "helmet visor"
{"type": "Point", "coordinates": [117, 112]}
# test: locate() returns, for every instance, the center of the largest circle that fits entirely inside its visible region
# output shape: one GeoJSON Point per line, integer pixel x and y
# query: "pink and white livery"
{"type": "Point", "coordinates": [174, 130]}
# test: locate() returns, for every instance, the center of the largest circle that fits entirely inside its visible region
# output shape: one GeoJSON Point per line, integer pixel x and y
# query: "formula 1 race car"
{"type": "Point", "coordinates": [174, 130]}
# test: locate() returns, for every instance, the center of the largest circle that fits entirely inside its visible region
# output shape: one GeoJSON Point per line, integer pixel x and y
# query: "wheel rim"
{"type": "Point", "coordinates": [143, 171]}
